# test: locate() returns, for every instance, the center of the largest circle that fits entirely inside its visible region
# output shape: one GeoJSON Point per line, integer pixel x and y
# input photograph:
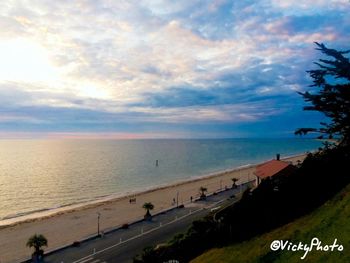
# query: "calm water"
{"type": "Point", "coordinates": [44, 174]}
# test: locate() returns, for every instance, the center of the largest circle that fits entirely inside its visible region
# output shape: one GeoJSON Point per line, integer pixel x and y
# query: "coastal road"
{"type": "Point", "coordinates": [123, 244]}
{"type": "Point", "coordinates": [125, 252]}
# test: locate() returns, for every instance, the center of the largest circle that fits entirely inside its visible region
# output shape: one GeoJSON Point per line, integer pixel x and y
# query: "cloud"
{"type": "Point", "coordinates": [163, 62]}
{"type": "Point", "coordinates": [316, 6]}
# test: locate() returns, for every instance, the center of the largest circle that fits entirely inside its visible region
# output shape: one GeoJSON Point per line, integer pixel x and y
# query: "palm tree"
{"type": "Point", "coordinates": [234, 180]}
{"type": "Point", "coordinates": [148, 206]}
{"type": "Point", "coordinates": [37, 241]}
{"type": "Point", "coordinates": [202, 191]}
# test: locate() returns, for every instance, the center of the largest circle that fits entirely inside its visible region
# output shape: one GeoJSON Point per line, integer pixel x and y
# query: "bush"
{"type": "Point", "coordinates": [319, 177]}
{"type": "Point", "coordinates": [76, 244]}
{"type": "Point", "coordinates": [125, 226]}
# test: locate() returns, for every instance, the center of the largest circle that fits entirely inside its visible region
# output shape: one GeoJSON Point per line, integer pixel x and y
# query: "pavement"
{"type": "Point", "coordinates": [121, 245]}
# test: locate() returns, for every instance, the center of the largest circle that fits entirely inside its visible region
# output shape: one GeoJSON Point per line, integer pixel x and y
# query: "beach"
{"type": "Point", "coordinates": [65, 225]}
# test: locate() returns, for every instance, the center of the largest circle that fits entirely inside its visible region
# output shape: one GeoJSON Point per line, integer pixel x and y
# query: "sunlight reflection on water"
{"type": "Point", "coordinates": [38, 174]}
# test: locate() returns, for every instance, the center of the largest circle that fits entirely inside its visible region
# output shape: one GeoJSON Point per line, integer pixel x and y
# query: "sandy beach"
{"type": "Point", "coordinates": [66, 225]}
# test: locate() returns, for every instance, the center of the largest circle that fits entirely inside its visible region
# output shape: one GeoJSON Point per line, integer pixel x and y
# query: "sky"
{"type": "Point", "coordinates": [162, 69]}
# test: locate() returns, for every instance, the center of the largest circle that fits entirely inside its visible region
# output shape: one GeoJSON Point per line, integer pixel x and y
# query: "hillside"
{"type": "Point", "coordinates": [330, 221]}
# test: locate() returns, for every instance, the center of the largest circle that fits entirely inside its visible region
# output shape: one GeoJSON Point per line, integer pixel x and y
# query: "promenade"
{"type": "Point", "coordinates": [121, 245]}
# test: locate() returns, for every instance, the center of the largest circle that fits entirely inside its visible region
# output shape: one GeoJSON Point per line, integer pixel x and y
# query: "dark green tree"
{"type": "Point", "coordinates": [202, 191]}
{"type": "Point", "coordinates": [37, 241]}
{"type": "Point", "coordinates": [234, 181]}
{"type": "Point", "coordinates": [332, 78]}
{"type": "Point", "coordinates": [148, 206]}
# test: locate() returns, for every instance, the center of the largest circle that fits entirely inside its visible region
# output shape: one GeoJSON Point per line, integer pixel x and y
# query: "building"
{"type": "Point", "coordinates": [272, 168]}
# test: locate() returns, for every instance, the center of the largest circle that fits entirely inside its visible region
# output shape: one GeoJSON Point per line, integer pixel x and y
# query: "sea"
{"type": "Point", "coordinates": [44, 174]}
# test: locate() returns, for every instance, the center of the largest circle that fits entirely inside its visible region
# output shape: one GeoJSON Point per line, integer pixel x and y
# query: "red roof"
{"type": "Point", "coordinates": [270, 168]}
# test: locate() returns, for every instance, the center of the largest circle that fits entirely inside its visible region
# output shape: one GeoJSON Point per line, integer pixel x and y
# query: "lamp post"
{"type": "Point", "coordinates": [98, 223]}
{"type": "Point", "coordinates": [177, 199]}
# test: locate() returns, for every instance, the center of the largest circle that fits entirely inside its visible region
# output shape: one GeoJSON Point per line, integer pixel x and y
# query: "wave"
{"type": "Point", "coordinates": [96, 200]}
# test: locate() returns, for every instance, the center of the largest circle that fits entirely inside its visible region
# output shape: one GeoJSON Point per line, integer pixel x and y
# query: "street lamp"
{"type": "Point", "coordinates": [98, 223]}
{"type": "Point", "coordinates": [177, 199]}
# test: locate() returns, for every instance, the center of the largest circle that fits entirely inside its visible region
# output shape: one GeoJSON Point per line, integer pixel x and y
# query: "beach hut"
{"type": "Point", "coordinates": [272, 168]}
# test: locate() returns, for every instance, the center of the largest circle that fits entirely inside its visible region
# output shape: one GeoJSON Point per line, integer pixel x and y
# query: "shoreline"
{"type": "Point", "coordinates": [65, 226]}
{"type": "Point", "coordinates": [43, 213]}
{"type": "Point", "coordinates": [51, 212]}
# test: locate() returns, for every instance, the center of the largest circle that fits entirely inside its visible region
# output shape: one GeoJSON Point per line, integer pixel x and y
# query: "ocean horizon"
{"type": "Point", "coordinates": [44, 174]}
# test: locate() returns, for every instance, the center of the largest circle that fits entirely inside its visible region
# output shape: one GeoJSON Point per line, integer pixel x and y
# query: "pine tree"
{"type": "Point", "coordinates": [333, 98]}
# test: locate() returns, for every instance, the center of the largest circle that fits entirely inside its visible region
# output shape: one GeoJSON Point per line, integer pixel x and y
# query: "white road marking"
{"type": "Point", "coordinates": [84, 260]}
{"type": "Point", "coordinates": [87, 258]}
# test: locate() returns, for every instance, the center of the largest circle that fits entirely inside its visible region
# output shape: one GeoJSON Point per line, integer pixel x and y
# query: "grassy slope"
{"type": "Point", "coordinates": [328, 222]}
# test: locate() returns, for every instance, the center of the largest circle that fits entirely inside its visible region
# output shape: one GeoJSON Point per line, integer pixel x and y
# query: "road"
{"type": "Point", "coordinates": [125, 252]}
{"type": "Point", "coordinates": [123, 244]}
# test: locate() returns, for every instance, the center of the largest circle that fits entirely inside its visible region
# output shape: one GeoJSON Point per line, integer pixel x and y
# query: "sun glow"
{"type": "Point", "coordinates": [93, 91]}
{"type": "Point", "coordinates": [25, 61]}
